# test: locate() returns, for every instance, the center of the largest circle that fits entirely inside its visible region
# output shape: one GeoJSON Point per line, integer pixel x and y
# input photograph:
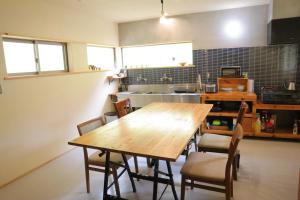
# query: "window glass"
{"type": "Point", "coordinates": [158, 55]}
{"type": "Point", "coordinates": [31, 57]}
{"type": "Point", "coordinates": [102, 57]}
{"type": "Point", "coordinates": [51, 57]}
{"type": "Point", "coordinates": [19, 57]}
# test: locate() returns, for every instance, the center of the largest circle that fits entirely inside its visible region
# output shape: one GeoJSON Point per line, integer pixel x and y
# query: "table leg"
{"type": "Point", "coordinates": [129, 172]}
{"type": "Point", "coordinates": [155, 182]}
{"type": "Point", "coordinates": [172, 180]}
{"type": "Point", "coordinates": [106, 174]}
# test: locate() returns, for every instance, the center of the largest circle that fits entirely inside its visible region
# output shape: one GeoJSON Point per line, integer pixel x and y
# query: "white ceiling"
{"type": "Point", "coordinates": [132, 10]}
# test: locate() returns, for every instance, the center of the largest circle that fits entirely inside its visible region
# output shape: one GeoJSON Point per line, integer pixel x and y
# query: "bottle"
{"type": "Point", "coordinates": [257, 124]}
{"type": "Point", "coordinates": [295, 128]}
{"type": "Point", "coordinates": [263, 123]}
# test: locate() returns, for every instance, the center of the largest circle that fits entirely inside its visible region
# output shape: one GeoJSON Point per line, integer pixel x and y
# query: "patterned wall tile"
{"type": "Point", "coordinates": [267, 65]}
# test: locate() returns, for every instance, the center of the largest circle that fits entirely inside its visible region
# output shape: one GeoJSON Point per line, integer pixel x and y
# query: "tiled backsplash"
{"type": "Point", "coordinates": [267, 65]}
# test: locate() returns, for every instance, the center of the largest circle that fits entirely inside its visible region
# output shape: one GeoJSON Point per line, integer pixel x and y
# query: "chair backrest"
{"type": "Point", "coordinates": [90, 125]}
{"type": "Point", "coordinates": [243, 109]}
{"type": "Point", "coordinates": [235, 139]}
{"type": "Point", "coordinates": [123, 107]}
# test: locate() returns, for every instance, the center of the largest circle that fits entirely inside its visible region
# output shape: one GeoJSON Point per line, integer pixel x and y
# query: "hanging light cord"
{"type": "Point", "coordinates": [162, 7]}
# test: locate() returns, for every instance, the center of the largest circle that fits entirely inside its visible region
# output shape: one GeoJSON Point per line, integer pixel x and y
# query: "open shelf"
{"type": "Point", "coordinates": [223, 132]}
{"type": "Point", "coordinates": [228, 114]}
{"type": "Point", "coordinates": [262, 106]}
{"type": "Point", "coordinates": [286, 135]}
{"type": "Point", "coordinates": [280, 133]}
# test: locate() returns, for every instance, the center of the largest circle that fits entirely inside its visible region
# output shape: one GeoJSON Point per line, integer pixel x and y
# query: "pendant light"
{"type": "Point", "coordinates": [163, 19]}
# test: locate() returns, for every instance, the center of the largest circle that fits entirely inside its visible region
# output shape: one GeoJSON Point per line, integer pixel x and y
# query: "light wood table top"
{"type": "Point", "coordinates": [158, 130]}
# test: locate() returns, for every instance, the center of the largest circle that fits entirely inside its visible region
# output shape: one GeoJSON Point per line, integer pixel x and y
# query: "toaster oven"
{"type": "Point", "coordinates": [232, 72]}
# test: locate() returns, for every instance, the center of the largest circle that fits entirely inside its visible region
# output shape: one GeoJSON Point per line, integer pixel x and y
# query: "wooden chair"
{"type": "Point", "coordinates": [220, 143]}
{"type": "Point", "coordinates": [210, 171]}
{"type": "Point", "coordinates": [96, 161]}
{"type": "Point", "coordinates": [123, 108]}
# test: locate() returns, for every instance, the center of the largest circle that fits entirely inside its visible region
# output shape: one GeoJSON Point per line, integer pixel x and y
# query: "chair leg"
{"type": "Point", "coordinates": [182, 188]}
{"type": "Point", "coordinates": [116, 182]}
{"type": "Point", "coordinates": [187, 151]}
{"type": "Point", "coordinates": [192, 184]}
{"type": "Point", "coordinates": [195, 141]}
{"type": "Point", "coordinates": [231, 187]}
{"type": "Point", "coordinates": [228, 191]}
{"type": "Point", "coordinates": [234, 167]}
{"type": "Point", "coordinates": [136, 165]}
{"type": "Point", "coordinates": [87, 178]}
{"type": "Point", "coordinates": [238, 160]}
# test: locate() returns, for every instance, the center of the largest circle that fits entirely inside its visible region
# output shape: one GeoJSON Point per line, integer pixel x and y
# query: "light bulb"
{"type": "Point", "coordinates": [233, 29]}
{"type": "Point", "coordinates": [163, 19]}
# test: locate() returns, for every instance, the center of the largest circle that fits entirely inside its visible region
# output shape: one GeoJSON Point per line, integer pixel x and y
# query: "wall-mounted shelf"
{"type": "Point", "coordinates": [114, 77]}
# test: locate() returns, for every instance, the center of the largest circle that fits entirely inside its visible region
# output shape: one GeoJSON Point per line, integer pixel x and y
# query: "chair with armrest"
{"type": "Point", "coordinates": [221, 143]}
{"type": "Point", "coordinates": [210, 171]}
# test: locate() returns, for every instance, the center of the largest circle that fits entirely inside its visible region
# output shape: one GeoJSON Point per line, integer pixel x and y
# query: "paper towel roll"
{"type": "Point", "coordinates": [250, 85]}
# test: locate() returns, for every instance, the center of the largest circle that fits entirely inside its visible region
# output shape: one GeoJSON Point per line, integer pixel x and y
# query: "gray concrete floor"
{"type": "Point", "coordinates": [269, 171]}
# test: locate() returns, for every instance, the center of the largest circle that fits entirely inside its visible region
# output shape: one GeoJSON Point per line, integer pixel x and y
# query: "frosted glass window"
{"type": "Point", "coordinates": [102, 57]}
{"type": "Point", "coordinates": [51, 57]}
{"type": "Point", "coordinates": [33, 57]}
{"type": "Point", "coordinates": [19, 57]}
{"type": "Point", "coordinates": [158, 55]}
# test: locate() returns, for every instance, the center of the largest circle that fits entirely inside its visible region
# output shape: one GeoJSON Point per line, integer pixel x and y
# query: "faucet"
{"type": "Point", "coordinates": [165, 78]}
{"type": "Point", "coordinates": [140, 78]}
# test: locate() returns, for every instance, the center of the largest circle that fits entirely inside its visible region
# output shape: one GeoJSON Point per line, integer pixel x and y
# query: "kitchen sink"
{"type": "Point", "coordinates": [142, 98]}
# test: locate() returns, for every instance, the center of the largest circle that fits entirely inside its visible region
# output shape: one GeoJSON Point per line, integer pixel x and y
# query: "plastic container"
{"type": "Point", "coordinates": [110, 116]}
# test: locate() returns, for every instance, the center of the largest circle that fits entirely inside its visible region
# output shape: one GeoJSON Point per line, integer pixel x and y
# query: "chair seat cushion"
{"type": "Point", "coordinates": [95, 159]}
{"type": "Point", "coordinates": [205, 166]}
{"type": "Point", "coordinates": [214, 141]}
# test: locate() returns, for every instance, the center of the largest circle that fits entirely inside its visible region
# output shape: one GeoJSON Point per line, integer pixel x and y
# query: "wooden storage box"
{"type": "Point", "coordinates": [232, 84]}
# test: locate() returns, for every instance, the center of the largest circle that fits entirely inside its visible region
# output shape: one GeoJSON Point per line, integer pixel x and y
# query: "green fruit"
{"type": "Point", "coordinates": [216, 122]}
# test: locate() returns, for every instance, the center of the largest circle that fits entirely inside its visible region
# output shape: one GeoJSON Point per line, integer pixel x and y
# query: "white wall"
{"type": "Point", "coordinates": [38, 116]}
{"type": "Point", "coordinates": [205, 30]}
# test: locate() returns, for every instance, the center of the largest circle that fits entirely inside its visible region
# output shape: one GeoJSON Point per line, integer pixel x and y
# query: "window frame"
{"type": "Point", "coordinates": [35, 44]}
{"type": "Point", "coordinates": [157, 44]}
{"type": "Point", "coordinates": [101, 46]}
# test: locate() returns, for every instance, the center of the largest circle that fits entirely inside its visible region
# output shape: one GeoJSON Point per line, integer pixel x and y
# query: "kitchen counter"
{"type": "Point", "coordinates": [140, 99]}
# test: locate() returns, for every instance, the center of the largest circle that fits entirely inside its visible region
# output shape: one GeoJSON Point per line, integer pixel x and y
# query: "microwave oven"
{"type": "Point", "coordinates": [232, 72]}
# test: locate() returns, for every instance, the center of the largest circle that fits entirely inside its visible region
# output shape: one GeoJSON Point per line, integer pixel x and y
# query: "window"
{"type": "Point", "coordinates": [101, 57]}
{"type": "Point", "coordinates": [158, 55]}
{"type": "Point", "coordinates": [32, 57]}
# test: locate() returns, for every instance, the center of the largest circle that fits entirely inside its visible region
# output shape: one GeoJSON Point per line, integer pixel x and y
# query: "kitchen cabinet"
{"type": "Point", "coordinates": [250, 116]}
{"type": "Point", "coordinates": [229, 114]}
{"type": "Point", "coordinates": [279, 132]}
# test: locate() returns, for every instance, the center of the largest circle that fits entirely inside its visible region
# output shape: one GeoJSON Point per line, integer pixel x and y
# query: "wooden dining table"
{"type": "Point", "coordinates": [160, 131]}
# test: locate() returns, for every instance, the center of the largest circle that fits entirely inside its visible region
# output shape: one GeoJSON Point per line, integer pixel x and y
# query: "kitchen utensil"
{"type": "Point", "coordinates": [210, 88]}
{"type": "Point", "coordinates": [292, 86]}
{"type": "Point", "coordinates": [241, 88]}
{"type": "Point", "coordinates": [226, 89]}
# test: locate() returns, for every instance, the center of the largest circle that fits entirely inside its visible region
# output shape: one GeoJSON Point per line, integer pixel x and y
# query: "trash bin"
{"type": "Point", "coordinates": [110, 116]}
